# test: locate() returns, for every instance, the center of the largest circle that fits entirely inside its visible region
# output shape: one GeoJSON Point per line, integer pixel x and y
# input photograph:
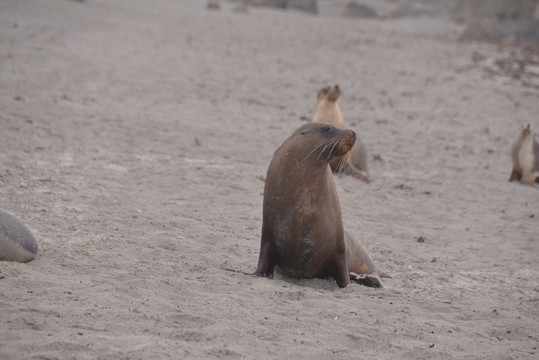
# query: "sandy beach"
{"type": "Point", "coordinates": [135, 137]}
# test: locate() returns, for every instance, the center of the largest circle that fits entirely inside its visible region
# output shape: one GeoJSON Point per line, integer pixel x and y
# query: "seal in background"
{"type": "Point", "coordinates": [327, 111]}
{"type": "Point", "coordinates": [16, 242]}
{"type": "Point", "coordinates": [525, 155]}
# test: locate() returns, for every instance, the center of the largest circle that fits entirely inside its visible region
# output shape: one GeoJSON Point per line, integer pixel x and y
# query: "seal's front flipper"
{"type": "Point", "coordinates": [267, 260]}
{"type": "Point", "coordinates": [371, 280]}
{"type": "Point", "coordinates": [515, 175]}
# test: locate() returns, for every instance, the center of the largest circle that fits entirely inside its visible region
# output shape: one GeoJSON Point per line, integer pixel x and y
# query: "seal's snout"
{"type": "Point", "coordinates": [347, 141]}
{"type": "Point", "coordinates": [351, 136]}
{"type": "Point", "coordinates": [527, 128]}
{"type": "Point", "coordinates": [334, 93]}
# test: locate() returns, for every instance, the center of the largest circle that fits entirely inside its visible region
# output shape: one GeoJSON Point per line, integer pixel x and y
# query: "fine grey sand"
{"type": "Point", "coordinates": [134, 140]}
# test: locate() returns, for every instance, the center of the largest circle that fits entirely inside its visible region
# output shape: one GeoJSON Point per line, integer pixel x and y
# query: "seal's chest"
{"type": "Point", "coordinates": [299, 258]}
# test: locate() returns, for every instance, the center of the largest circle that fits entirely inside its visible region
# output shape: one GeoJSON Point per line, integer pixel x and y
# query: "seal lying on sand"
{"type": "Point", "coordinates": [525, 155]}
{"type": "Point", "coordinates": [327, 111]}
{"type": "Point", "coordinates": [16, 242]}
{"type": "Point", "coordinates": [302, 230]}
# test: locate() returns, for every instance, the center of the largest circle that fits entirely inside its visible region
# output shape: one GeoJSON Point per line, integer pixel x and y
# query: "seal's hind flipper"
{"type": "Point", "coordinates": [371, 280]}
{"type": "Point", "coordinates": [362, 178]}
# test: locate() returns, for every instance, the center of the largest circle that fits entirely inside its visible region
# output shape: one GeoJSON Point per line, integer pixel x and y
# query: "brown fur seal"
{"type": "Point", "coordinates": [327, 111]}
{"type": "Point", "coordinates": [16, 242]}
{"type": "Point", "coordinates": [525, 155]}
{"type": "Point", "coordinates": [302, 230]}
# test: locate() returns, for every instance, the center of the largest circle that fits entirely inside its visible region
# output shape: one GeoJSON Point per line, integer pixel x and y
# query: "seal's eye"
{"type": "Point", "coordinates": [326, 128]}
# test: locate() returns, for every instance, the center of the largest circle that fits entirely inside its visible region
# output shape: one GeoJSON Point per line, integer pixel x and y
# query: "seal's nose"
{"type": "Point", "coordinates": [353, 134]}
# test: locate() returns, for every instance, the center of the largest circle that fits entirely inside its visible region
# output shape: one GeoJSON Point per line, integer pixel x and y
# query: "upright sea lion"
{"type": "Point", "coordinates": [16, 242]}
{"type": "Point", "coordinates": [525, 155]}
{"type": "Point", "coordinates": [302, 230]}
{"type": "Point", "coordinates": [327, 111]}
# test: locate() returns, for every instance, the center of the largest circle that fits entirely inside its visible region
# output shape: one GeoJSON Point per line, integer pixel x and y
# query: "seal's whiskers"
{"type": "Point", "coordinates": [324, 149]}
{"type": "Point", "coordinates": [333, 147]}
{"type": "Point", "coordinates": [322, 143]}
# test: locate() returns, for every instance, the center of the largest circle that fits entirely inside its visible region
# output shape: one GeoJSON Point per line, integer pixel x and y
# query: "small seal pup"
{"type": "Point", "coordinates": [525, 155]}
{"type": "Point", "coordinates": [327, 111]}
{"type": "Point", "coordinates": [16, 242]}
{"type": "Point", "coordinates": [302, 230]}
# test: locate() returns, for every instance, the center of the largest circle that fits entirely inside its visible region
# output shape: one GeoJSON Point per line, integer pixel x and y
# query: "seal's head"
{"type": "Point", "coordinates": [317, 143]}
{"type": "Point", "coordinates": [525, 133]}
{"type": "Point", "coordinates": [527, 129]}
{"type": "Point", "coordinates": [330, 93]}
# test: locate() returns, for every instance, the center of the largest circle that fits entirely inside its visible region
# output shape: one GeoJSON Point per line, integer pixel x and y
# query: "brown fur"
{"type": "Point", "coordinates": [302, 231]}
{"type": "Point", "coordinates": [525, 156]}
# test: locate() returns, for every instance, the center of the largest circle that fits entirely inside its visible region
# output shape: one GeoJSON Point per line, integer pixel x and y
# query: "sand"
{"type": "Point", "coordinates": [134, 141]}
